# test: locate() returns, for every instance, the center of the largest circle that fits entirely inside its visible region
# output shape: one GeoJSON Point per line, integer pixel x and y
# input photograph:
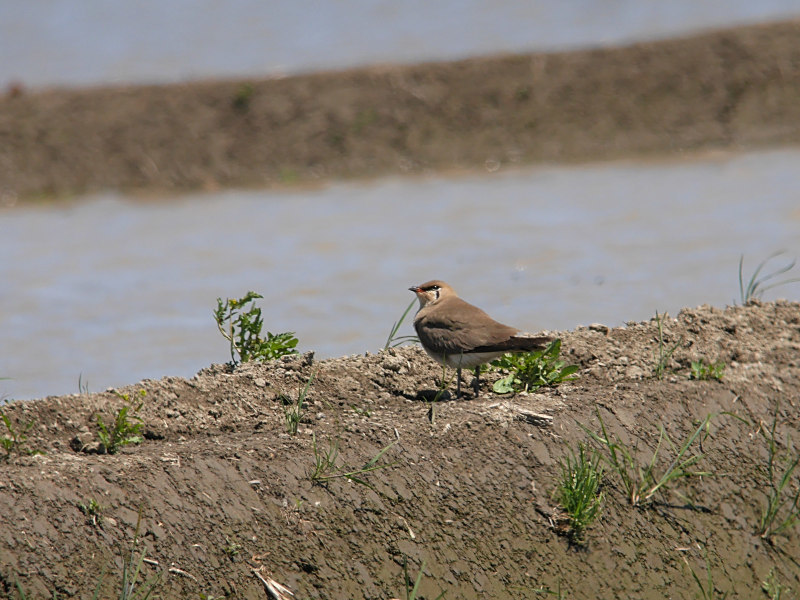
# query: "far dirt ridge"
{"type": "Point", "coordinates": [467, 497]}
{"type": "Point", "coordinates": [736, 88]}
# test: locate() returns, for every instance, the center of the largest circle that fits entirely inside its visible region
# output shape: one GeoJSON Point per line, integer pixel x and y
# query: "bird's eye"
{"type": "Point", "coordinates": [434, 288]}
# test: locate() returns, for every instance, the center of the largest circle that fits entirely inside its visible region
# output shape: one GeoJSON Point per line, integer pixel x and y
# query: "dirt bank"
{"type": "Point", "coordinates": [224, 489]}
{"type": "Point", "coordinates": [737, 88]}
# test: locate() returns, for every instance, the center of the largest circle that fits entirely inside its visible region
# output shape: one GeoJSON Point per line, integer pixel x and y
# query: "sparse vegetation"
{"type": "Point", "coordinates": [756, 287]}
{"type": "Point", "coordinates": [242, 97]}
{"type": "Point", "coordinates": [83, 385]}
{"type": "Point", "coordinates": [773, 588]}
{"type": "Point", "coordinates": [324, 460]}
{"type": "Point", "coordinates": [394, 340]}
{"type": "Point", "coordinates": [782, 509]}
{"type": "Point", "coordinates": [530, 370]}
{"type": "Point", "coordinates": [545, 590]}
{"type": "Point", "coordinates": [293, 410]}
{"type": "Point", "coordinates": [127, 426]}
{"type": "Point", "coordinates": [15, 438]}
{"type": "Point", "coordinates": [642, 482]}
{"type": "Point", "coordinates": [444, 383]}
{"type": "Point", "coordinates": [706, 586]}
{"type": "Point", "coordinates": [702, 370]}
{"type": "Point", "coordinates": [579, 490]}
{"type": "Point", "coordinates": [412, 589]}
{"type": "Point", "coordinates": [231, 548]}
{"type": "Point", "coordinates": [91, 509]}
{"type": "Point", "coordinates": [664, 352]}
{"type": "Point", "coordinates": [131, 569]}
{"type": "Point", "coordinates": [240, 322]}
{"type": "Point", "coordinates": [325, 467]}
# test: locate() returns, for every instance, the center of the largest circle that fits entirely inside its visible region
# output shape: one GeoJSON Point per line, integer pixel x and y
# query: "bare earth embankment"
{"type": "Point", "coordinates": [731, 89]}
{"type": "Point", "coordinates": [225, 491]}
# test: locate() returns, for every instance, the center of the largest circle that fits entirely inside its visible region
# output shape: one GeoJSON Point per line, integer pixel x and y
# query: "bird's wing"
{"type": "Point", "coordinates": [459, 327]}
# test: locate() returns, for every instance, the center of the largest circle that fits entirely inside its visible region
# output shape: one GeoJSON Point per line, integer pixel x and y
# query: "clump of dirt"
{"type": "Point", "coordinates": [736, 88]}
{"type": "Point", "coordinates": [226, 495]}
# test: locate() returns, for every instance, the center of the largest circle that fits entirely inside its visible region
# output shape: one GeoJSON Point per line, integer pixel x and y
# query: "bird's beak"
{"type": "Point", "coordinates": [415, 289]}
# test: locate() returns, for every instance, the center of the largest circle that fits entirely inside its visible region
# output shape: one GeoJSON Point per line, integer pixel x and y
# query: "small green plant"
{"type": "Point", "coordinates": [363, 119]}
{"type": "Point", "coordinates": [14, 439]}
{"type": "Point", "coordinates": [324, 460]}
{"type": "Point", "coordinates": [83, 385]}
{"type": "Point", "coordinates": [239, 321]}
{"type": "Point", "coordinates": [579, 490]}
{"type": "Point", "coordinates": [664, 352]}
{"type": "Point", "coordinates": [127, 426]}
{"type": "Point", "coordinates": [131, 569]}
{"type": "Point", "coordinates": [231, 548]}
{"type": "Point", "coordinates": [92, 509]}
{"type": "Point", "coordinates": [325, 468]}
{"type": "Point", "coordinates": [642, 482]}
{"type": "Point", "coordinates": [707, 588]}
{"type": "Point", "coordinates": [444, 383]}
{"type": "Point", "coordinates": [530, 370]}
{"type": "Point", "coordinates": [782, 509]}
{"type": "Point", "coordinates": [293, 410]}
{"type": "Point", "coordinates": [702, 370]}
{"type": "Point", "coordinates": [395, 340]}
{"type": "Point", "coordinates": [545, 590]}
{"type": "Point", "coordinates": [288, 175]}
{"type": "Point", "coordinates": [242, 97]}
{"type": "Point", "coordinates": [773, 588]}
{"type": "Point", "coordinates": [755, 287]}
{"type": "Point", "coordinates": [362, 412]}
{"type": "Point", "coordinates": [413, 589]}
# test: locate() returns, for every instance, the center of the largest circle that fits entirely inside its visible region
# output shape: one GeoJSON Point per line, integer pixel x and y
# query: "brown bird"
{"type": "Point", "coordinates": [457, 334]}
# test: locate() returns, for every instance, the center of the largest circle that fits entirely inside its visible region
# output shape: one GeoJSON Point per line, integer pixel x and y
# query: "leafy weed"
{"type": "Point", "coordinates": [530, 370]}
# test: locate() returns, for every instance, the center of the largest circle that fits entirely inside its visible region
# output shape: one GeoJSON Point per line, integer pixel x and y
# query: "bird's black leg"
{"type": "Point", "coordinates": [477, 383]}
{"type": "Point", "coordinates": [458, 382]}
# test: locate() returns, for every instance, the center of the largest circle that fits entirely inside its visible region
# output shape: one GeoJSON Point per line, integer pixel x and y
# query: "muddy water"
{"type": "Point", "coordinates": [52, 43]}
{"type": "Point", "coordinates": [116, 291]}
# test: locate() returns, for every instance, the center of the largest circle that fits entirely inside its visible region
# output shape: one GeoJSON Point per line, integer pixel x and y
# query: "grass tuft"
{"type": "Point", "coordinates": [782, 509]}
{"type": "Point", "coordinates": [664, 352]}
{"type": "Point", "coordinates": [579, 490]}
{"type": "Point", "coordinates": [293, 411]}
{"type": "Point", "coordinates": [642, 482]}
{"type": "Point", "coordinates": [756, 287]}
{"type": "Point", "coordinates": [131, 569]}
{"type": "Point", "coordinates": [394, 340]}
{"type": "Point", "coordinates": [325, 467]}
{"type": "Point", "coordinates": [15, 438]}
{"type": "Point", "coordinates": [773, 588]}
{"type": "Point", "coordinates": [706, 586]}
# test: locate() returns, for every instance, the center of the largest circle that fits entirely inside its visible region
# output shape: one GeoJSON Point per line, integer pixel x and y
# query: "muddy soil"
{"type": "Point", "coordinates": [226, 497]}
{"type": "Point", "coordinates": [735, 89]}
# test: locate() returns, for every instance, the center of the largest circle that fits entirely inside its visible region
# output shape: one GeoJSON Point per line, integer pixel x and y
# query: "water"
{"type": "Point", "coordinates": [116, 291]}
{"type": "Point", "coordinates": [61, 42]}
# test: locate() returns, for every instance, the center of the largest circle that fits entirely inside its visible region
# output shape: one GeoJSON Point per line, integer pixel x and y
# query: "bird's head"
{"type": "Point", "coordinates": [431, 292]}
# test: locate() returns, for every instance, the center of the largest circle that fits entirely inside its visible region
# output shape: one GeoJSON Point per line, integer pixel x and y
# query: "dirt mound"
{"type": "Point", "coordinates": [736, 88]}
{"type": "Point", "coordinates": [225, 492]}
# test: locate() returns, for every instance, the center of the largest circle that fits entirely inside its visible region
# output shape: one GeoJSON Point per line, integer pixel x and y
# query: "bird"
{"type": "Point", "coordinates": [457, 334]}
